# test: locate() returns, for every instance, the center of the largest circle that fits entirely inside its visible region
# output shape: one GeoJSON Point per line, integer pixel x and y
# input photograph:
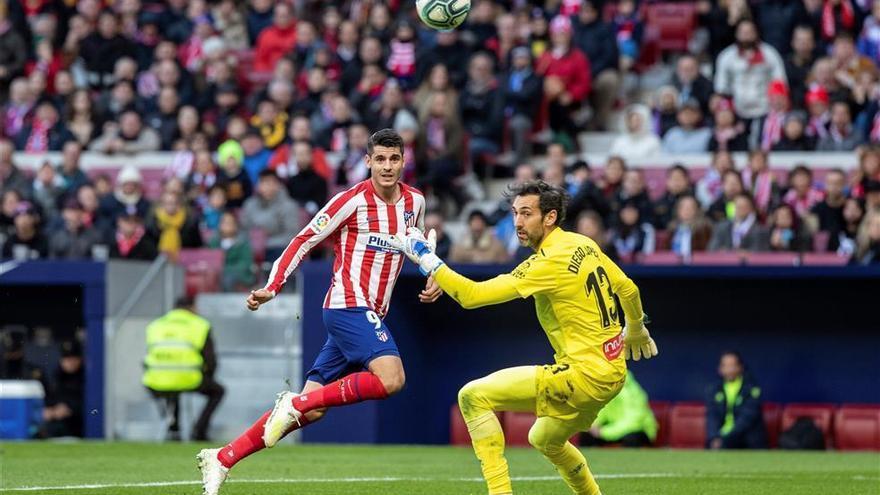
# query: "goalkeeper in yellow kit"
{"type": "Point", "coordinates": [574, 285]}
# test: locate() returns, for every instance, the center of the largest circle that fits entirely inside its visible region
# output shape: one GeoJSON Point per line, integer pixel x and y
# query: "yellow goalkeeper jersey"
{"type": "Point", "coordinates": [574, 285]}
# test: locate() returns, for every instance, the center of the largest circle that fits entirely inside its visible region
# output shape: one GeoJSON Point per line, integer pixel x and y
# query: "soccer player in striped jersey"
{"type": "Point", "coordinates": [362, 223]}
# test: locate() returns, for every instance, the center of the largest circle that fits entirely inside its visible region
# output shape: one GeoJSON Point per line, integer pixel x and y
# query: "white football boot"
{"type": "Point", "coordinates": [213, 473]}
{"type": "Point", "coordinates": [282, 418]}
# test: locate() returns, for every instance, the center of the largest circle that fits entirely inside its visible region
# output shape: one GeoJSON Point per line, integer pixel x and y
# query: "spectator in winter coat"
{"type": "Point", "coordinates": [842, 136]}
{"type": "Point", "coordinates": [131, 241]}
{"type": "Point", "coordinates": [689, 136]}
{"type": "Point", "coordinates": [690, 229]}
{"type": "Point", "coordinates": [174, 225]}
{"type": "Point", "coordinates": [479, 244]}
{"type": "Point", "coordinates": [45, 132]}
{"type": "Point", "coordinates": [743, 232]}
{"type": "Point", "coordinates": [276, 40]}
{"type": "Point", "coordinates": [567, 81]}
{"type": "Point", "coordinates": [481, 108]}
{"type": "Point", "coordinates": [787, 232]}
{"type": "Point", "coordinates": [744, 71]}
{"type": "Point", "coordinates": [129, 136]}
{"type": "Point", "coordinates": [794, 134]}
{"type": "Point", "coordinates": [691, 84]}
{"type": "Point", "coordinates": [637, 140]}
{"type": "Point", "coordinates": [75, 240]}
{"type": "Point", "coordinates": [272, 210]}
{"type": "Point", "coordinates": [101, 49]}
{"type": "Point", "coordinates": [521, 88]}
{"type": "Point", "coordinates": [127, 199]}
{"type": "Point", "coordinates": [733, 408]}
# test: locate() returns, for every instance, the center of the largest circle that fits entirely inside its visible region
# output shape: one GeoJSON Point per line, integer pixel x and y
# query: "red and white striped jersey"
{"type": "Point", "coordinates": [362, 224]}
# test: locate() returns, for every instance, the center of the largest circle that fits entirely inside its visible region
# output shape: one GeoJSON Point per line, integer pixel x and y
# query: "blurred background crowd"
{"type": "Point", "coordinates": [263, 110]}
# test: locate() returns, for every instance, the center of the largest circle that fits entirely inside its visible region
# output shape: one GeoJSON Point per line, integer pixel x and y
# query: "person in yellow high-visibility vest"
{"type": "Point", "coordinates": [180, 358]}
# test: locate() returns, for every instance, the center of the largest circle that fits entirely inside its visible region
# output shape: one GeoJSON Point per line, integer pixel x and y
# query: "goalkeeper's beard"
{"type": "Point", "coordinates": [526, 239]}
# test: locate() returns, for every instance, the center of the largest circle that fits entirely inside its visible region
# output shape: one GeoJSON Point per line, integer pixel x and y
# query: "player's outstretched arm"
{"type": "Point", "coordinates": [468, 293]}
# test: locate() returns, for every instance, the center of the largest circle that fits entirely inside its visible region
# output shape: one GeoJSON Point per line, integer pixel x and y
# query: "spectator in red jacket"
{"type": "Point", "coordinates": [276, 40]}
{"type": "Point", "coordinates": [566, 72]}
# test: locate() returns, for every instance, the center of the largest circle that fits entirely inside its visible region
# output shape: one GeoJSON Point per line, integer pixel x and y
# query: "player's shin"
{"type": "Point", "coordinates": [356, 387]}
{"type": "Point", "coordinates": [488, 441]}
{"type": "Point", "coordinates": [550, 437]}
{"type": "Point", "coordinates": [250, 441]}
{"type": "Point", "coordinates": [572, 466]}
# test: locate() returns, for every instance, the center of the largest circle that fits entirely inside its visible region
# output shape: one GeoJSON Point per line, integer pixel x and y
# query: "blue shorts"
{"type": "Point", "coordinates": [355, 337]}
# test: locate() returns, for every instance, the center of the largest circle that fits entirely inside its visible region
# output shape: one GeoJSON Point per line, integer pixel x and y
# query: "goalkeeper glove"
{"type": "Point", "coordinates": [419, 249]}
{"type": "Point", "coordinates": [637, 343]}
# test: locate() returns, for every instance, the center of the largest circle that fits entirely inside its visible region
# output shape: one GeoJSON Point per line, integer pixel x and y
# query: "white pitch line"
{"type": "Point", "coordinates": [153, 484]}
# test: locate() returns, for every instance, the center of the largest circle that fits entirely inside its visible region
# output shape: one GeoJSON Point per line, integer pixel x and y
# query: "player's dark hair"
{"type": "Point", "coordinates": [388, 138]}
{"type": "Point", "coordinates": [185, 302]}
{"type": "Point", "coordinates": [549, 197]}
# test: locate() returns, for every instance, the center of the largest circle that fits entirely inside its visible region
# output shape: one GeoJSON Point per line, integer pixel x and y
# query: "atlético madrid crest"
{"type": "Point", "coordinates": [382, 336]}
{"type": "Point", "coordinates": [409, 217]}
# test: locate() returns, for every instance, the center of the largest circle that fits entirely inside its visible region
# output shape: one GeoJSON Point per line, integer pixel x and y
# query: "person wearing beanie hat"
{"type": "Point", "coordinates": [235, 180]}
{"type": "Point", "coordinates": [771, 129]}
{"type": "Point", "coordinates": [567, 80]}
{"type": "Point", "coordinates": [818, 103]}
{"type": "Point", "coordinates": [127, 198]}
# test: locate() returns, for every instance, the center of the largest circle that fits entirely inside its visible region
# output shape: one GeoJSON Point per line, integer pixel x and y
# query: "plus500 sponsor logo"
{"type": "Point", "coordinates": [380, 242]}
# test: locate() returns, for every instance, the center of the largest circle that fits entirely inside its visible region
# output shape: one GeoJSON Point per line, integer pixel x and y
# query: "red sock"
{"type": "Point", "coordinates": [356, 387]}
{"type": "Point", "coordinates": [249, 442]}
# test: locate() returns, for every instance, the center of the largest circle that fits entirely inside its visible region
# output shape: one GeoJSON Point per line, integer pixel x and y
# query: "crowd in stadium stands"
{"type": "Point", "coordinates": [268, 106]}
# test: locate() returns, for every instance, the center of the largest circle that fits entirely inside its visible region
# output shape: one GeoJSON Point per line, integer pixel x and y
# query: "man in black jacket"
{"type": "Point", "coordinates": [691, 84]}
{"type": "Point", "coordinates": [481, 109]}
{"type": "Point", "coordinates": [733, 408]}
{"type": "Point", "coordinates": [522, 95]}
{"type": "Point", "coordinates": [598, 41]}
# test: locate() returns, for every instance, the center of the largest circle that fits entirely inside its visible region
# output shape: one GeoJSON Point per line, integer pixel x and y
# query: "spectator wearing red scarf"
{"type": "Point", "coordinates": [744, 71]}
{"type": "Point", "coordinates": [131, 241]}
{"type": "Point", "coordinates": [837, 16]}
{"type": "Point", "coordinates": [44, 133]}
{"type": "Point", "coordinates": [771, 131]}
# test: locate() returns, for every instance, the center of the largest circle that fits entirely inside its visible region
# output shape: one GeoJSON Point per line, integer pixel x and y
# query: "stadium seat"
{"type": "Point", "coordinates": [675, 23]}
{"type": "Point", "coordinates": [516, 427]}
{"type": "Point", "coordinates": [823, 259]}
{"type": "Point", "coordinates": [820, 241]}
{"type": "Point", "coordinates": [771, 412]}
{"type": "Point", "coordinates": [821, 414]}
{"type": "Point", "coordinates": [773, 259]}
{"type": "Point", "coordinates": [458, 432]}
{"type": "Point", "coordinates": [661, 258]}
{"type": "Point", "coordinates": [717, 258]}
{"type": "Point", "coordinates": [687, 425]}
{"type": "Point", "coordinates": [258, 240]}
{"type": "Point", "coordinates": [857, 427]}
{"type": "Point", "coordinates": [661, 413]}
{"type": "Point", "coordinates": [662, 239]}
{"type": "Point", "coordinates": [202, 269]}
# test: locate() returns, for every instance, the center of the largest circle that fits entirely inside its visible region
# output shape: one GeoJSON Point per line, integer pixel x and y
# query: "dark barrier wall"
{"type": "Point", "coordinates": [35, 287]}
{"type": "Point", "coordinates": [807, 334]}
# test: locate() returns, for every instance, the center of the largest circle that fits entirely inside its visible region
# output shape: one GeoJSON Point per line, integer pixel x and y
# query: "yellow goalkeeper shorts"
{"type": "Point", "coordinates": [566, 391]}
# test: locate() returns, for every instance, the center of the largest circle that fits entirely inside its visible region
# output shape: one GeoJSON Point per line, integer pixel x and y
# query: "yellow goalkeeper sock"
{"type": "Point", "coordinates": [488, 440]}
{"type": "Point", "coordinates": [572, 466]}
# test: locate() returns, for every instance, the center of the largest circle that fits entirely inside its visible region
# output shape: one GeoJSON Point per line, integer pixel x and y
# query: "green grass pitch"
{"type": "Point", "coordinates": [136, 469]}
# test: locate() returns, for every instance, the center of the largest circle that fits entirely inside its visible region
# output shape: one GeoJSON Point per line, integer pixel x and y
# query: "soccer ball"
{"type": "Point", "coordinates": [443, 14]}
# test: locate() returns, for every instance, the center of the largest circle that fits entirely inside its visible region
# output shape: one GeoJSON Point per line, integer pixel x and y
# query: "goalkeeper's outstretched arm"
{"type": "Point", "coordinates": [471, 294]}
